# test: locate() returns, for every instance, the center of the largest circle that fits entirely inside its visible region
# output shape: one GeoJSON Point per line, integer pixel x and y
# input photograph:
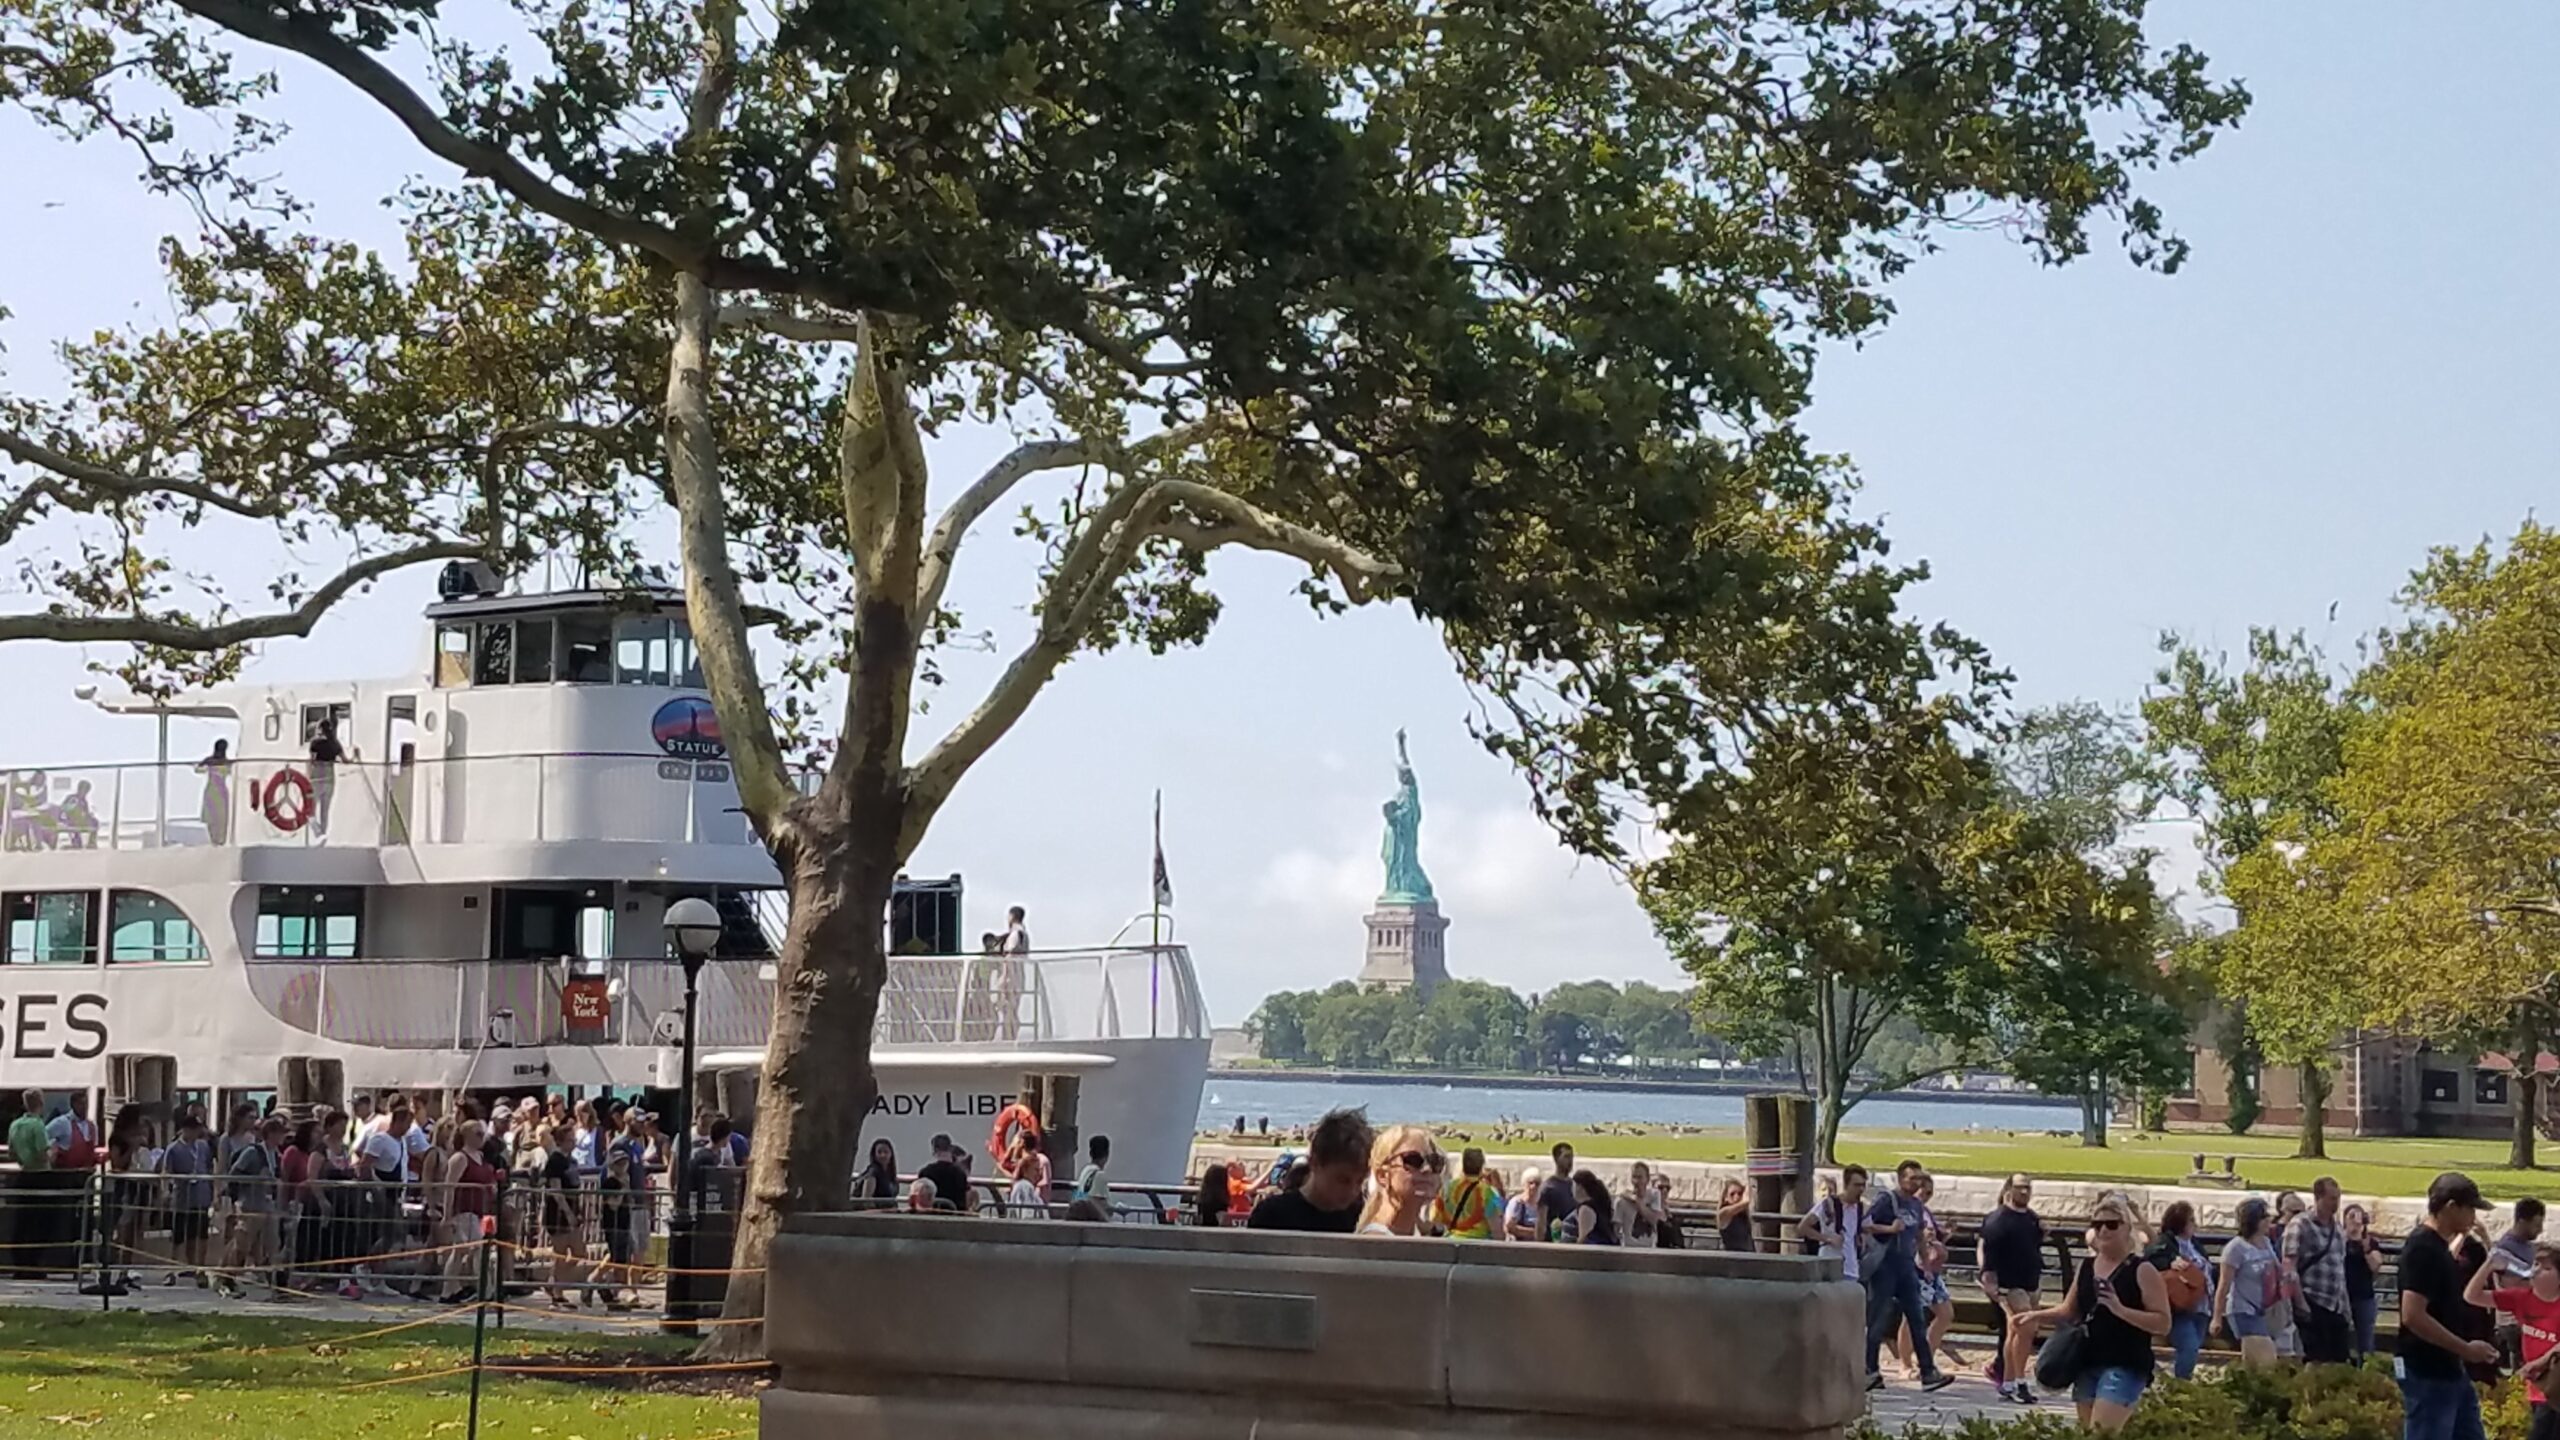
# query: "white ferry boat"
{"type": "Point", "coordinates": [470, 902]}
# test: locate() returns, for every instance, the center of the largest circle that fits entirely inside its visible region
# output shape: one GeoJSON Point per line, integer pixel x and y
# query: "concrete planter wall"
{"type": "Point", "coordinates": [913, 1325]}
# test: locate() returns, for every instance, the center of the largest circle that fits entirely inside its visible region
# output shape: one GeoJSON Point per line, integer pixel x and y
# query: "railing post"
{"type": "Point", "coordinates": [115, 812]}
{"type": "Point", "coordinates": [541, 795]}
{"type": "Point", "coordinates": [692, 787]}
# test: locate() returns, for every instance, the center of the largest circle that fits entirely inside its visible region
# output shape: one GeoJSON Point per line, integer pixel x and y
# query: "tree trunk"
{"type": "Point", "coordinates": [2524, 1091]}
{"type": "Point", "coordinates": [808, 1129]}
{"type": "Point", "coordinates": [2313, 1083]}
{"type": "Point", "coordinates": [2093, 1115]}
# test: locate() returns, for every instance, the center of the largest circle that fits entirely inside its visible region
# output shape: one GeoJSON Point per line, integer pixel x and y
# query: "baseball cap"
{"type": "Point", "coordinates": [2453, 1188]}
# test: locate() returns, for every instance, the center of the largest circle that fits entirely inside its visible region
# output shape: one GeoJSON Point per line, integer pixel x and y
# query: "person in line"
{"type": "Point", "coordinates": [586, 1138]}
{"type": "Point", "coordinates": [2252, 1281]}
{"type": "Point", "coordinates": [30, 1143]}
{"type": "Point", "coordinates": [950, 1183]}
{"type": "Point", "coordinates": [361, 1121]}
{"type": "Point", "coordinates": [1556, 1199]}
{"type": "Point", "coordinates": [1209, 1203]}
{"type": "Point", "coordinates": [2437, 1399]}
{"type": "Point", "coordinates": [1837, 1222]}
{"type": "Point", "coordinates": [473, 1197]}
{"type": "Point", "coordinates": [1642, 1210]}
{"type": "Point", "coordinates": [129, 1157]}
{"type": "Point", "coordinates": [2470, 1321]}
{"type": "Point", "coordinates": [188, 1159]}
{"type": "Point", "coordinates": [1733, 1217]}
{"type": "Point", "coordinates": [613, 1212]}
{"type": "Point", "coordinates": [1328, 1200]}
{"type": "Point", "coordinates": [877, 1180]}
{"type": "Point", "coordinates": [73, 1136]}
{"type": "Point", "coordinates": [2511, 1264]}
{"type": "Point", "coordinates": [258, 1207]}
{"type": "Point", "coordinates": [2281, 1324]}
{"type": "Point", "coordinates": [1469, 1206]}
{"type": "Point", "coordinates": [1595, 1219]}
{"type": "Point", "coordinates": [1520, 1212]}
{"type": "Point", "coordinates": [1405, 1169]}
{"type": "Point", "coordinates": [1898, 1220]}
{"type": "Point", "coordinates": [1940, 1305]}
{"type": "Point", "coordinates": [2364, 1261]}
{"type": "Point", "coordinates": [2125, 1305]}
{"type": "Point", "coordinates": [559, 1181]}
{"type": "Point", "coordinates": [2316, 1254]}
{"type": "Point", "coordinates": [2012, 1275]}
{"type": "Point", "coordinates": [2187, 1278]}
{"type": "Point", "coordinates": [1093, 1182]}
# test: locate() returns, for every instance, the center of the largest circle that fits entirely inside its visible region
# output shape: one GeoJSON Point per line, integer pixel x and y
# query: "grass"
{"type": "Point", "coordinates": [2397, 1167]}
{"type": "Point", "coordinates": [206, 1377]}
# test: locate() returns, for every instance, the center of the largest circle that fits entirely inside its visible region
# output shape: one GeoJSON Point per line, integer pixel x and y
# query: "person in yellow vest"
{"type": "Point", "coordinates": [1469, 1202]}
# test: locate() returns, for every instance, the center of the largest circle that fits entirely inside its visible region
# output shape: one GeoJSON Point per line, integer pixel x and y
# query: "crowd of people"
{"type": "Point", "coordinates": [383, 1197]}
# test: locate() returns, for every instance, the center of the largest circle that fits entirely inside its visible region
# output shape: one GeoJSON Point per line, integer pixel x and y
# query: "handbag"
{"type": "Point", "coordinates": [2061, 1357]}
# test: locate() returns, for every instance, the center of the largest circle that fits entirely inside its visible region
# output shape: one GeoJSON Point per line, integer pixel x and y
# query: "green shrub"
{"type": "Point", "coordinates": [2328, 1402]}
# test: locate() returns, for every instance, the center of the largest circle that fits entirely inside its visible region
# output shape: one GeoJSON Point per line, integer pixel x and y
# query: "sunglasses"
{"type": "Point", "coordinates": [2106, 1224]}
{"type": "Point", "coordinates": [1417, 1162]}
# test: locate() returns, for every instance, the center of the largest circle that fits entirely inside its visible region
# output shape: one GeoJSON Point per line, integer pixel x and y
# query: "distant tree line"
{"type": "Point", "coordinates": [1477, 1025]}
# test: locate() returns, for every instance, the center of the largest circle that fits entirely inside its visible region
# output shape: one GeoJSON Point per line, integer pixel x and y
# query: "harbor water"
{"type": "Point", "coordinates": [1287, 1101]}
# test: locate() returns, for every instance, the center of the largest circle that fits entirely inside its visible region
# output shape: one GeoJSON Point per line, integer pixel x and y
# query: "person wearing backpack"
{"type": "Point", "coordinates": [1468, 1203]}
{"type": "Point", "coordinates": [1829, 1225]}
{"type": "Point", "coordinates": [254, 1185]}
{"type": "Point", "coordinates": [2252, 1284]}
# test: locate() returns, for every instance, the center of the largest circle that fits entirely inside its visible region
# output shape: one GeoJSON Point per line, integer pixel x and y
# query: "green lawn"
{"type": "Point", "coordinates": [201, 1377]}
{"type": "Point", "coordinates": [2363, 1167]}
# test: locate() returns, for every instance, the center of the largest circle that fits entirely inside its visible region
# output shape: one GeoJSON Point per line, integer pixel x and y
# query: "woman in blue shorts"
{"type": "Point", "coordinates": [2125, 1305]}
{"type": "Point", "coordinates": [2252, 1281]}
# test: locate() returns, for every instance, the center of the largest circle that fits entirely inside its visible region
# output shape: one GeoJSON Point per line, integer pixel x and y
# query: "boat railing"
{"type": "Point", "coordinates": [453, 800]}
{"type": "Point", "coordinates": [426, 1004]}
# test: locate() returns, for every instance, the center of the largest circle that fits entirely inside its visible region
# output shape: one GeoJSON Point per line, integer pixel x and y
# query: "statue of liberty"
{"type": "Point", "coordinates": [1406, 884]}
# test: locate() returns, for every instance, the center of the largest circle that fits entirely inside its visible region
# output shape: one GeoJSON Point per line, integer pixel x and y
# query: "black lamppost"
{"type": "Point", "coordinates": [693, 931]}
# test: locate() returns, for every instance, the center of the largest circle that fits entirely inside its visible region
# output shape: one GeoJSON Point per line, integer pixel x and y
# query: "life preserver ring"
{"type": "Point", "coordinates": [1011, 1121]}
{"type": "Point", "coordinates": [288, 802]}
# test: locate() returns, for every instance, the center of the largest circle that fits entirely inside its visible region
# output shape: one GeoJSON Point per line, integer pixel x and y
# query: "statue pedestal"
{"type": "Point", "coordinates": [1406, 949]}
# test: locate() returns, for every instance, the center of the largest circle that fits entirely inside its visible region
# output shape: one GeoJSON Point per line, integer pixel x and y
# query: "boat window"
{"type": "Point", "coordinates": [688, 660]}
{"type": "Point", "coordinates": [497, 652]}
{"type": "Point", "coordinates": [631, 637]}
{"type": "Point", "coordinates": [453, 656]}
{"type": "Point", "coordinates": [302, 923]}
{"type": "Point", "coordinates": [50, 927]}
{"type": "Point", "coordinates": [143, 928]}
{"type": "Point", "coordinates": [533, 652]}
{"type": "Point", "coordinates": [586, 649]}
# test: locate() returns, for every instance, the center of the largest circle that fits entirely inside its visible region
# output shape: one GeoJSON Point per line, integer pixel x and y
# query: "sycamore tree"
{"type": "Point", "coordinates": [2250, 757]}
{"type": "Point", "coordinates": [2447, 853]}
{"type": "Point", "coordinates": [1504, 314]}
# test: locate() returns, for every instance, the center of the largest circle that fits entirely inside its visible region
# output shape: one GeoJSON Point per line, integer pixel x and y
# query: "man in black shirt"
{"type": "Point", "coordinates": [950, 1182]}
{"type": "Point", "coordinates": [1337, 1166]}
{"type": "Point", "coordinates": [1556, 1200]}
{"type": "Point", "coordinates": [2012, 1275]}
{"type": "Point", "coordinates": [2437, 1401]}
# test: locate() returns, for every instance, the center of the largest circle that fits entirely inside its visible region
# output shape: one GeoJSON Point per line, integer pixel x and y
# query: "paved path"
{"type": "Point", "coordinates": [527, 1313]}
{"type": "Point", "coordinates": [1903, 1405]}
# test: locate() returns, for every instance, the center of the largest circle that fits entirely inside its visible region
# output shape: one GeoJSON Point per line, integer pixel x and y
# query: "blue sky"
{"type": "Point", "coordinates": [2356, 364]}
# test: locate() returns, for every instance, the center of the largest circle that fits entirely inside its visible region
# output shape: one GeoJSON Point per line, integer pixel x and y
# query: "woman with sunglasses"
{"type": "Point", "coordinates": [2125, 1305]}
{"type": "Point", "coordinates": [1404, 1179]}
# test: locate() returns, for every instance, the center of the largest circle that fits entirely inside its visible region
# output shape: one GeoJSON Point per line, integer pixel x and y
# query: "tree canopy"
{"type": "Point", "coordinates": [1505, 313]}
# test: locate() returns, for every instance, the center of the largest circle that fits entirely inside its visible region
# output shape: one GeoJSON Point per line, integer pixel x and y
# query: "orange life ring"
{"type": "Point", "coordinates": [288, 805]}
{"type": "Point", "coordinates": [1013, 1120]}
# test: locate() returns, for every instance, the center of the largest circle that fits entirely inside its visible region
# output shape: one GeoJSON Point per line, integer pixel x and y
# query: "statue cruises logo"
{"type": "Point", "coordinates": [688, 728]}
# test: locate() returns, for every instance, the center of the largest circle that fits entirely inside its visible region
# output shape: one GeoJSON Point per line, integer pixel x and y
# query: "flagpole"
{"type": "Point", "coordinates": [1155, 919]}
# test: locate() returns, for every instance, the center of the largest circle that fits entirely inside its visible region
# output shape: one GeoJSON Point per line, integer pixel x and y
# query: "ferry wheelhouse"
{"type": "Point", "coordinates": [469, 901]}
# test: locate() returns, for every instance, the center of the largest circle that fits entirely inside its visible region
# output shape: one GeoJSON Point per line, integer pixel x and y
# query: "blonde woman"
{"type": "Point", "coordinates": [1405, 1166]}
{"type": "Point", "coordinates": [2125, 1305]}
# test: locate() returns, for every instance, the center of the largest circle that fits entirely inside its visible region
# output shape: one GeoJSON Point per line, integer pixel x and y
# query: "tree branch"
{"type": "Point", "coordinates": [118, 483]}
{"type": "Point", "coordinates": [789, 325]}
{"type": "Point", "coordinates": [712, 600]}
{"type": "Point", "coordinates": [1100, 555]}
{"type": "Point", "coordinates": [187, 635]}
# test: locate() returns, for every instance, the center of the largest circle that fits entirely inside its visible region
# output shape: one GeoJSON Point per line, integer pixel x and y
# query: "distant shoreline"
{"type": "Point", "coordinates": [1623, 1084]}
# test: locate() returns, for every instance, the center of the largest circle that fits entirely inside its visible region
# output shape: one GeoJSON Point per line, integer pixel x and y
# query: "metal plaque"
{"type": "Point", "coordinates": [1250, 1320]}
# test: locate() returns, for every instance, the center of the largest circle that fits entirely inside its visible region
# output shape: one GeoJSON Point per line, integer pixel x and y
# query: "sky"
{"type": "Point", "coordinates": [2355, 365]}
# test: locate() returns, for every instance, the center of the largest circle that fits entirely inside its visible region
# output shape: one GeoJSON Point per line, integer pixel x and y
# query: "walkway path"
{"type": "Point", "coordinates": [529, 1313]}
{"type": "Point", "coordinates": [1903, 1406]}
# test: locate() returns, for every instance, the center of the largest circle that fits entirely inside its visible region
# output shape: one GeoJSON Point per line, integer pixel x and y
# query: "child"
{"type": "Point", "coordinates": [2536, 1308]}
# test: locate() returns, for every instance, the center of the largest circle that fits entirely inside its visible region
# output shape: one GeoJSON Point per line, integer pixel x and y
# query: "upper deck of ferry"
{"type": "Point", "coordinates": [531, 735]}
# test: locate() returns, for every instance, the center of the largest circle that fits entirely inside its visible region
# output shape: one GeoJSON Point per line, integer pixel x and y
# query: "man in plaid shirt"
{"type": "Point", "coordinates": [2315, 1250]}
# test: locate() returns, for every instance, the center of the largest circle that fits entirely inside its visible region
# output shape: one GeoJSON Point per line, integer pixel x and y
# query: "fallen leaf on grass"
{"type": "Point", "coordinates": [83, 1421]}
